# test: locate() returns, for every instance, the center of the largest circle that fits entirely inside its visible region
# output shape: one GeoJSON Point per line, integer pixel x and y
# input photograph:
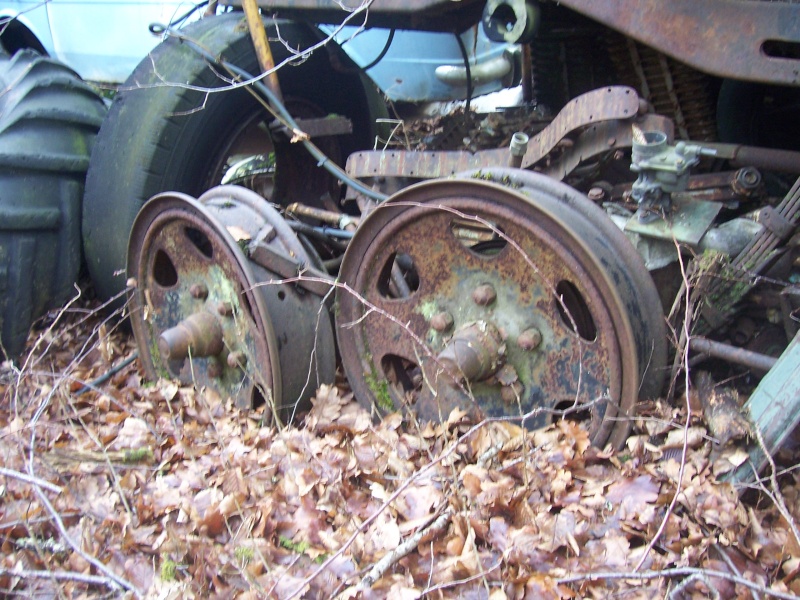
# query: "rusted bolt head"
{"type": "Point", "coordinates": [596, 194]}
{"type": "Point", "coordinates": [484, 295]}
{"type": "Point", "coordinates": [442, 321]}
{"type": "Point", "coordinates": [225, 309]}
{"type": "Point", "coordinates": [237, 359]}
{"type": "Point", "coordinates": [511, 394]}
{"type": "Point", "coordinates": [199, 291]}
{"type": "Point", "coordinates": [529, 339]}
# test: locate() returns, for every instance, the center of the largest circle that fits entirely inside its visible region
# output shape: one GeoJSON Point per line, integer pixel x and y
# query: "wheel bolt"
{"type": "Point", "coordinates": [442, 321]}
{"type": "Point", "coordinates": [225, 309]}
{"type": "Point", "coordinates": [237, 359]}
{"type": "Point", "coordinates": [529, 339]}
{"type": "Point", "coordinates": [199, 291]}
{"type": "Point", "coordinates": [596, 194]}
{"type": "Point", "coordinates": [511, 394]}
{"type": "Point", "coordinates": [484, 295]}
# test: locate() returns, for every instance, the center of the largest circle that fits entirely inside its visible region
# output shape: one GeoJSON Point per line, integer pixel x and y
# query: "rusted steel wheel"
{"type": "Point", "coordinates": [503, 295]}
{"type": "Point", "coordinates": [205, 314]}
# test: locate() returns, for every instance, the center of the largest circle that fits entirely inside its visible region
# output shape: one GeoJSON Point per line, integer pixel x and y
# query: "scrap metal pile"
{"type": "Point", "coordinates": [558, 256]}
{"type": "Point", "coordinates": [562, 270]}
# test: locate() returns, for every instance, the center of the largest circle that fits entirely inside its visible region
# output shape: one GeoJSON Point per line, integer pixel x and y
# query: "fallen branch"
{"type": "Point", "coordinates": [678, 572]}
{"type": "Point", "coordinates": [61, 576]}
{"type": "Point", "coordinates": [391, 558]}
{"type": "Point", "coordinates": [30, 479]}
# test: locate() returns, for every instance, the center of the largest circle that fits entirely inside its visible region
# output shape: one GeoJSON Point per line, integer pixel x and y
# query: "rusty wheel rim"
{"type": "Point", "coordinates": [480, 327]}
{"type": "Point", "coordinates": [189, 270]}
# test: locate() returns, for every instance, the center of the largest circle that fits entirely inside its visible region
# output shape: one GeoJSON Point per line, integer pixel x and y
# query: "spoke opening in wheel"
{"type": "Point", "coordinates": [569, 409]}
{"type": "Point", "coordinates": [200, 241]}
{"type": "Point", "coordinates": [398, 277]}
{"type": "Point", "coordinates": [164, 272]}
{"type": "Point", "coordinates": [402, 375]}
{"type": "Point", "coordinates": [574, 310]}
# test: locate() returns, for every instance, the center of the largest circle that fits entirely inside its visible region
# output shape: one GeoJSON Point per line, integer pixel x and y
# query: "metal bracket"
{"type": "Point", "coordinates": [308, 278]}
{"type": "Point", "coordinates": [775, 222]}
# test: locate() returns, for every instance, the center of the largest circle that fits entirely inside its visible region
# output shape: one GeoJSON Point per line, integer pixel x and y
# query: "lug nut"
{"type": "Point", "coordinates": [199, 291]}
{"type": "Point", "coordinates": [237, 359]}
{"type": "Point", "coordinates": [225, 309]}
{"type": "Point", "coordinates": [511, 394]}
{"type": "Point", "coordinates": [442, 321]}
{"type": "Point", "coordinates": [596, 194]}
{"type": "Point", "coordinates": [529, 339]}
{"type": "Point", "coordinates": [484, 295]}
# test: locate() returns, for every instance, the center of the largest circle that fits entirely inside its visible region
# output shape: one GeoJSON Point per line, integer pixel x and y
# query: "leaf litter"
{"type": "Point", "coordinates": [174, 493]}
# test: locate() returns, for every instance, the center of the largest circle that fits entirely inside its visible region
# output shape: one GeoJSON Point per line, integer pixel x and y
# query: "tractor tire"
{"type": "Point", "coordinates": [48, 122]}
{"type": "Point", "coordinates": [160, 136]}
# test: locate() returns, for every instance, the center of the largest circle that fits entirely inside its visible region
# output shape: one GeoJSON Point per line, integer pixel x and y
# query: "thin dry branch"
{"type": "Point", "coordinates": [391, 558]}
{"type": "Point", "coordinates": [676, 572]}
{"type": "Point", "coordinates": [30, 479]}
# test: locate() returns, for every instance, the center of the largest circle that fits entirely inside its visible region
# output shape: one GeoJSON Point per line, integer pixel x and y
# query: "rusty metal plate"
{"type": "Point", "coordinates": [688, 223]}
{"type": "Point", "coordinates": [430, 15]}
{"type": "Point", "coordinates": [727, 38]}
{"type": "Point", "coordinates": [617, 103]}
{"type": "Point", "coordinates": [520, 324]}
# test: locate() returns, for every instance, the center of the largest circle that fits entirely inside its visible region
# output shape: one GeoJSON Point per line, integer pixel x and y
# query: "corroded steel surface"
{"type": "Point", "coordinates": [727, 38]}
{"type": "Point", "coordinates": [566, 338]}
{"type": "Point", "coordinates": [433, 15]}
{"type": "Point", "coordinates": [617, 104]}
{"type": "Point", "coordinates": [203, 313]}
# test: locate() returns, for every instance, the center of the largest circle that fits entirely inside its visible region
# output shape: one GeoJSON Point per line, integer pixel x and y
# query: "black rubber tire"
{"type": "Point", "coordinates": [48, 122]}
{"type": "Point", "coordinates": [161, 137]}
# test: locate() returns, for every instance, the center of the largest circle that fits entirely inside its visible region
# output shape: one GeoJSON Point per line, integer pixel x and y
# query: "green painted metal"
{"type": "Point", "coordinates": [774, 409]}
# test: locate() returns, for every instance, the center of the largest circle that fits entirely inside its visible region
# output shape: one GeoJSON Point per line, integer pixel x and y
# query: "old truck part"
{"type": "Point", "coordinates": [203, 312]}
{"type": "Point", "coordinates": [552, 311]}
{"type": "Point", "coordinates": [501, 292]}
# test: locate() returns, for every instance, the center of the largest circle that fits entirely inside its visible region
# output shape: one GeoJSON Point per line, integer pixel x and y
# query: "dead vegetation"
{"type": "Point", "coordinates": [162, 491]}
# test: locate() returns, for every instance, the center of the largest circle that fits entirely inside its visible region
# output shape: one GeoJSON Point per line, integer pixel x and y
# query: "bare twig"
{"type": "Point", "coordinates": [470, 579]}
{"type": "Point", "coordinates": [677, 572]}
{"type": "Point", "coordinates": [30, 479]}
{"type": "Point", "coordinates": [391, 558]}
{"type": "Point", "coordinates": [60, 576]}
{"type": "Point", "coordinates": [678, 484]}
{"type": "Point", "coordinates": [776, 495]}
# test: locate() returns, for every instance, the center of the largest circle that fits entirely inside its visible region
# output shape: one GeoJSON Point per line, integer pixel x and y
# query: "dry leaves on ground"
{"type": "Point", "coordinates": [170, 492]}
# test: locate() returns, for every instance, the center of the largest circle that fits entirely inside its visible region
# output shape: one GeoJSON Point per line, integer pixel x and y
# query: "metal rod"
{"type": "Point", "coordinates": [740, 356]}
{"type": "Point", "coordinates": [259, 36]}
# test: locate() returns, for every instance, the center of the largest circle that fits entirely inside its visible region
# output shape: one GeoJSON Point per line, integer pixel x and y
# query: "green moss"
{"type": "Point", "coordinates": [380, 388]}
{"type": "Point", "coordinates": [168, 570]}
{"type": "Point", "coordinates": [298, 547]}
{"type": "Point", "coordinates": [138, 455]}
{"type": "Point", "coordinates": [428, 309]}
{"type": "Point", "coordinates": [244, 555]}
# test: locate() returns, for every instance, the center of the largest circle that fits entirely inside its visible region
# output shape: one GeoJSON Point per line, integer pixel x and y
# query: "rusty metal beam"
{"type": "Point", "coordinates": [429, 15]}
{"type": "Point", "coordinates": [727, 38]}
{"type": "Point", "coordinates": [616, 105]}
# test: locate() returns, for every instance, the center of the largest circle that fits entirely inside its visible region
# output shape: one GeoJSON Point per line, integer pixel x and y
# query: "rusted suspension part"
{"type": "Point", "coordinates": [205, 313]}
{"type": "Point", "coordinates": [548, 309]}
